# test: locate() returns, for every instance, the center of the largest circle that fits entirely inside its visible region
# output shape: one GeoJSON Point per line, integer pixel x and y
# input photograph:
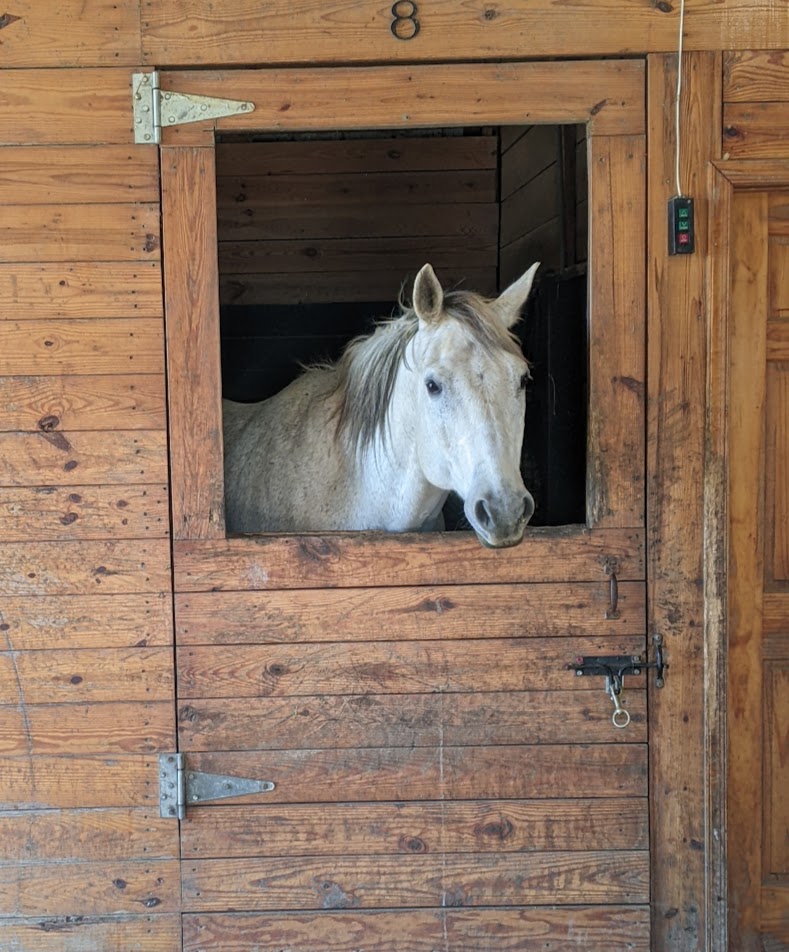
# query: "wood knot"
{"type": "Point", "coordinates": [412, 844]}
{"type": "Point", "coordinates": [48, 423]}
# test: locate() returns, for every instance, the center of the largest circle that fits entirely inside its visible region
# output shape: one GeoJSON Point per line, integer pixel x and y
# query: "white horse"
{"type": "Point", "coordinates": [432, 401]}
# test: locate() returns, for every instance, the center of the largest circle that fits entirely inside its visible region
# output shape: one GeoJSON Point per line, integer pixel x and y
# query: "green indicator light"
{"type": "Point", "coordinates": [684, 226]}
{"type": "Point", "coordinates": [683, 212]}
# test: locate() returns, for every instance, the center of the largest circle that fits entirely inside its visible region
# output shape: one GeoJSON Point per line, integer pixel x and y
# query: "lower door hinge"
{"type": "Point", "coordinates": [153, 108]}
{"type": "Point", "coordinates": [179, 786]}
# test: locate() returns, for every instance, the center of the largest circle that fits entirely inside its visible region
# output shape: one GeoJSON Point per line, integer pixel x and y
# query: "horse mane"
{"type": "Point", "coordinates": [364, 376]}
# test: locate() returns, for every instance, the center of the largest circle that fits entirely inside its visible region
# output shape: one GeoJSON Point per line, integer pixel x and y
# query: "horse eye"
{"type": "Point", "coordinates": [433, 388]}
{"type": "Point", "coordinates": [524, 380]}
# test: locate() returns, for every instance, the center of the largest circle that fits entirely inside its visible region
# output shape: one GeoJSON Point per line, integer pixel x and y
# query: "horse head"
{"type": "Point", "coordinates": [470, 379]}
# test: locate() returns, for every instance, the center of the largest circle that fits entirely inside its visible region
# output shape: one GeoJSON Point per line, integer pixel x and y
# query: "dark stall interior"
{"type": "Point", "coordinates": [318, 236]}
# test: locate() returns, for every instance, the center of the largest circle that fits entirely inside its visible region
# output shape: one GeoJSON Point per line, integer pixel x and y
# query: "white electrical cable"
{"type": "Point", "coordinates": [679, 90]}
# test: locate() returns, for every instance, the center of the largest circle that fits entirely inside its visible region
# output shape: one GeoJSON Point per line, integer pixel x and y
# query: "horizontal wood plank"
{"type": "Point", "coordinates": [346, 286]}
{"type": "Point", "coordinates": [345, 560]}
{"type": "Point", "coordinates": [446, 773]}
{"type": "Point", "coordinates": [66, 622]}
{"type": "Point", "coordinates": [400, 255]}
{"type": "Point", "coordinates": [92, 675]}
{"type": "Point", "coordinates": [49, 513]}
{"type": "Point", "coordinates": [416, 881]}
{"type": "Point", "coordinates": [359, 829]}
{"type": "Point", "coordinates": [778, 340]}
{"type": "Point", "coordinates": [48, 782]}
{"type": "Point", "coordinates": [755, 130]}
{"type": "Point", "coordinates": [72, 568]}
{"type": "Point", "coordinates": [74, 347]}
{"type": "Point", "coordinates": [82, 175]}
{"type": "Point", "coordinates": [532, 152]}
{"type": "Point", "coordinates": [62, 106]}
{"type": "Point", "coordinates": [756, 76]}
{"type": "Point", "coordinates": [117, 232]}
{"type": "Point", "coordinates": [76, 933]}
{"type": "Point", "coordinates": [392, 667]}
{"type": "Point", "coordinates": [71, 33]}
{"type": "Point", "coordinates": [80, 289]}
{"type": "Point", "coordinates": [406, 720]}
{"type": "Point", "coordinates": [104, 888]}
{"type": "Point", "coordinates": [52, 836]}
{"type": "Point", "coordinates": [93, 728]}
{"type": "Point", "coordinates": [609, 95]}
{"type": "Point", "coordinates": [379, 154]}
{"type": "Point", "coordinates": [255, 196]}
{"type": "Point", "coordinates": [593, 928]}
{"type": "Point", "coordinates": [373, 614]}
{"type": "Point", "coordinates": [395, 220]}
{"type": "Point", "coordinates": [70, 402]}
{"type": "Point", "coordinates": [55, 458]}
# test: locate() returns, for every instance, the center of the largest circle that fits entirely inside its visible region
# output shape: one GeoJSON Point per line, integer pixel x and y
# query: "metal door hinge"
{"type": "Point", "coordinates": [153, 108]}
{"type": "Point", "coordinates": [179, 786]}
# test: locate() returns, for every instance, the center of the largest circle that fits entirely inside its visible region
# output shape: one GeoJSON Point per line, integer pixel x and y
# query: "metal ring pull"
{"type": "Point", "coordinates": [620, 718]}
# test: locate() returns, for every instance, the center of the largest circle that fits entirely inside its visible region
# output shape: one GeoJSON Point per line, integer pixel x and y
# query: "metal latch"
{"type": "Point", "coordinates": [153, 108]}
{"type": "Point", "coordinates": [179, 786]}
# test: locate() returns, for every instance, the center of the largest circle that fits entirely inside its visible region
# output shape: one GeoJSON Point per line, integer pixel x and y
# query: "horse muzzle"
{"type": "Point", "coordinates": [499, 522]}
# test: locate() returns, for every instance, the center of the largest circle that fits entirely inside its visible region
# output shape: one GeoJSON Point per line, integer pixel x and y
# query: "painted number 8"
{"type": "Point", "coordinates": [405, 24]}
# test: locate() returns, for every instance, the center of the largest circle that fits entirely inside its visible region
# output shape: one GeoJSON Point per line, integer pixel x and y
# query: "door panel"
{"type": "Point", "coordinates": [443, 778]}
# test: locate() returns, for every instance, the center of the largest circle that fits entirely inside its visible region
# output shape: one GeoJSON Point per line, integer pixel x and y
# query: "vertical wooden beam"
{"type": "Point", "coordinates": [191, 296]}
{"type": "Point", "coordinates": [675, 505]}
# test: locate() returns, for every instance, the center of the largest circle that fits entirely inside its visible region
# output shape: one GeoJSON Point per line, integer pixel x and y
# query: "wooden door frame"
{"type": "Point", "coordinates": [725, 180]}
{"type": "Point", "coordinates": [607, 96]}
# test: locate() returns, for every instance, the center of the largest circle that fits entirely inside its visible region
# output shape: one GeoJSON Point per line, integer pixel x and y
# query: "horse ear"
{"type": "Point", "coordinates": [428, 295]}
{"type": "Point", "coordinates": [512, 299]}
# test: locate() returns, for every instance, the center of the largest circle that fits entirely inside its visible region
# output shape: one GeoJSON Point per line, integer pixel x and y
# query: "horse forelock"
{"type": "Point", "coordinates": [365, 374]}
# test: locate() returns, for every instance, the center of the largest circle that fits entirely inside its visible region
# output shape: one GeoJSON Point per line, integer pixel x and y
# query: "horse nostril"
{"type": "Point", "coordinates": [528, 507]}
{"type": "Point", "coordinates": [482, 513]}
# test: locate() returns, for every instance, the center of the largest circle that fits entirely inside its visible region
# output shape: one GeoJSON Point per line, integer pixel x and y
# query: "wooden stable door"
{"type": "Point", "coordinates": [755, 227]}
{"type": "Point", "coordinates": [441, 778]}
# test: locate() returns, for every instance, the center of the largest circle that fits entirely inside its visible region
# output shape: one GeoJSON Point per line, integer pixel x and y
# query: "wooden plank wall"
{"type": "Point", "coordinates": [344, 220]}
{"type": "Point", "coordinates": [86, 680]}
{"type": "Point", "coordinates": [544, 209]}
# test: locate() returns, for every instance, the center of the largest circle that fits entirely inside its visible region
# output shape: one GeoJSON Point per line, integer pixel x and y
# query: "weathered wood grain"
{"type": "Point", "coordinates": [755, 130]}
{"type": "Point", "coordinates": [399, 255]}
{"type": "Point", "coordinates": [191, 288]}
{"type": "Point", "coordinates": [779, 281]}
{"type": "Point", "coordinates": [407, 720]}
{"type": "Point", "coordinates": [193, 31]}
{"type": "Point", "coordinates": [112, 232]}
{"type": "Point", "coordinates": [95, 728]}
{"type": "Point", "coordinates": [255, 195]}
{"type": "Point", "coordinates": [71, 33]}
{"type": "Point", "coordinates": [95, 674]}
{"type": "Point", "coordinates": [615, 444]}
{"type": "Point", "coordinates": [778, 341]}
{"type": "Point", "coordinates": [80, 289]}
{"type": "Point", "coordinates": [66, 622]}
{"type": "Point", "coordinates": [396, 154]}
{"type": "Point", "coordinates": [453, 930]}
{"type": "Point", "coordinates": [56, 836]}
{"type": "Point", "coordinates": [676, 405]}
{"type": "Point", "coordinates": [104, 888]}
{"type": "Point", "coordinates": [72, 568]}
{"type": "Point", "coordinates": [42, 175]}
{"type": "Point", "coordinates": [392, 667]}
{"type": "Point", "coordinates": [776, 472]}
{"type": "Point", "coordinates": [51, 513]}
{"type": "Point", "coordinates": [346, 286]}
{"type": "Point", "coordinates": [607, 94]}
{"type": "Point", "coordinates": [61, 106]}
{"type": "Point", "coordinates": [776, 807]}
{"type": "Point", "coordinates": [85, 458]}
{"type": "Point", "coordinates": [444, 773]}
{"type": "Point", "coordinates": [359, 829]}
{"type": "Point", "coordinates": [756, 76]}
{"type": "Point", "coordinates": [375, 559]}
{"type": "Point", "coordinates": [117, 933]}
{"type": "Point", "coordinates": [393, 219]}
{"type": "Point", "coordinates": [59, 346]}
{"type": "Point", "coordinates": [47, 782]}
{"type": "Point", "coordinates": [374, 614]}
{"type": "Point", "coordinates": [415, 881]}
{"type": "Point", "coordinates": [71, 403]}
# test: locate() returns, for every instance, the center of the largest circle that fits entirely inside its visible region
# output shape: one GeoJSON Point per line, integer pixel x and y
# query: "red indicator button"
{"type": "Point", "coordinates": [684, 238]}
